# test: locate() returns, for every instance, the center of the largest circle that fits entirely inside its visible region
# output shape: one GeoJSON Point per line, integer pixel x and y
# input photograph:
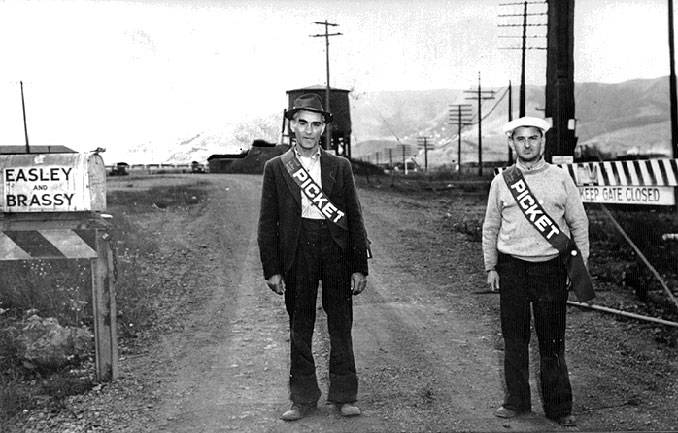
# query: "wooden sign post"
{"type": "Point", "coordinates": [50, 208]}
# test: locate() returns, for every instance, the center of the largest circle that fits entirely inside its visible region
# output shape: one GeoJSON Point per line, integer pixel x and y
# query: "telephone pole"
{"type": "Point", "coordinates": [460, 115]}
{"type": "Point", "coordinates": [423, 141]}
{"type": "Point", "coordinates": [524, 47]}
{"type": "Point", "coordinates": [560, 79]}
{"type": "Point", "coordinates": [326, 35]}
{"type": "Point", "coordinates": [480, 96]}
{"type": "Point", "coordinates": [23, 109]}
{"type": "Point", "coordinates": [510, 117]}
{"type": "Point", "coordinates": [405, 148]}
{"type": "Point", "coordinates": [672, 86]}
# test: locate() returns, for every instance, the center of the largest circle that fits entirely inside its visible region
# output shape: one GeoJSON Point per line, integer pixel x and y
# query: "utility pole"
{"type": "Point", "coordinates": [423, 141]}
{"type": "Point", "coordinates": [524, 38]}
{"type": "Point", "coordinates": [23, 109]}
{"type": "Point", "coordinates": [404, 147]}
{"type": "Point", "coordinates": [390, 159]}
{"type": "Point", "coordinates": [481, 95]}
{"type": "Point", "coordinates": [672, 86]}
{"type": "Point", "coordinates": [560, 79]}
{"type": "Point", "coordinates": [326, 35]}
{"type": "Point", "coordinates": [510, 117]}
{"type": "Point", "coordinates": [460, 115]}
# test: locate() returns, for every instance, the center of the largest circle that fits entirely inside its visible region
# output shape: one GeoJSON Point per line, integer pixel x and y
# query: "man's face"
{"type": "Point", "coordinates": [308, 127]}
{"type": "Point", "coordinates": [528, 143]}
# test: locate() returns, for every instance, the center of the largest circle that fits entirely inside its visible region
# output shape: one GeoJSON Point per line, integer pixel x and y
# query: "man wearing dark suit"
{"type": "Point", "coordinates": [300, 245]}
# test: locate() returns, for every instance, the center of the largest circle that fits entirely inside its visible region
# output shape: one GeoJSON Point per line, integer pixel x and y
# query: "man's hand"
{"type": "Point", "coordinates": [276, 283]}
{"type": "Point", "coordinates": [493, 280]}
{"type": "Point", "coordinates": [358, 283]}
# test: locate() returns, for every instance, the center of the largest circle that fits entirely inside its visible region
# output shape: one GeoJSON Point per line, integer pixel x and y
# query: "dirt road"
{"type": "Point", "coordinates": [428, 350]}
{"type": "Point", "coordinates": [425, 364]}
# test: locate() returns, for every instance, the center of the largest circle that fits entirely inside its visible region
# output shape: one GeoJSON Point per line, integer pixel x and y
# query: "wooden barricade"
{"type": "Point", "coordinates": [633, 182]}
{"type": "Point", "coordinates": [50, 208]}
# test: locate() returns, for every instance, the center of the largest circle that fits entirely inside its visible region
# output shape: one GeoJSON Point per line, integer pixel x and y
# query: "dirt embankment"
{"type": "Point", "coordinates": [428, 347]}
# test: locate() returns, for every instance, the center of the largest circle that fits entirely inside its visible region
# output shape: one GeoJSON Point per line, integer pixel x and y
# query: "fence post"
{"type": "Point", "coordinates": [104, 309]}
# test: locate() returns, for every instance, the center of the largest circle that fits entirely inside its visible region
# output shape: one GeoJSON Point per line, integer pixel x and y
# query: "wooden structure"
{"type": "Point", "coordinates": [636, 182]}
{"type": "Point", "coordinates": [560, 79]}
{"type": "Point", "coordinates": [340, 108]}
{"type": "Point", "coordinates": [20, 150]}
{"type": "Point", "coordinates": [50, 208]}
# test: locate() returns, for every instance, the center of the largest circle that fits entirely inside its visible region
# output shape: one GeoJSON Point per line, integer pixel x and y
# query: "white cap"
{"type": "Point", "coordinates": [526, 121]}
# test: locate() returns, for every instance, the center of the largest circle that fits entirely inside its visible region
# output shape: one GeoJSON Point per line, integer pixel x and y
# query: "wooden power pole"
{"type": "Point", "coordinates": [23, 110]}
{"type": "Point", "coordinates": [460, 115]}
{"type": "Point", "coordinates": [672, 86]}
{"type": "Point", "coordinates": [524, 36]}
{"type": "Point", "coordinates": [560, 79]}
{"type": "Point", "coordinates": [423, 142]}
{"type": "Point", "coordinates": [326, 35]}
{"type": "Point", "coordinates": [480, 96]}
{"type": "Point", "coordinates": [510, 118]}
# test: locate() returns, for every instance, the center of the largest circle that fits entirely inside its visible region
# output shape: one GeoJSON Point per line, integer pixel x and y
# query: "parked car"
{"type": "Point", "coordinates": [120, 169]}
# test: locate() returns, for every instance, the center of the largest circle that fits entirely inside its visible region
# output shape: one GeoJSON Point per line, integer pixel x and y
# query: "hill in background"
{"type": "Point", "coordinates": [616, 119]}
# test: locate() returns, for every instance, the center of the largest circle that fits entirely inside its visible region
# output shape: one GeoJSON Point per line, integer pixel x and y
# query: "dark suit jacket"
{"type": "Point", "coordinates": [280, 215]}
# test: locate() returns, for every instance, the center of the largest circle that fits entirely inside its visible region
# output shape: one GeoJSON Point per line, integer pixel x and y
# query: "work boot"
{"type": "Point", "coordinates": [349, 409]}
{"type": "Point", "coordinates": [504, 412]}
{"type": "Point", "coordinates": [567, 421]}
{"type": "Point", "coordinates": [297, 412]}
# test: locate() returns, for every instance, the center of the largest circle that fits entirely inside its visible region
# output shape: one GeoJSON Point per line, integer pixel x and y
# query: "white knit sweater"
{"type": "Point", "coordinates": [506, 229]}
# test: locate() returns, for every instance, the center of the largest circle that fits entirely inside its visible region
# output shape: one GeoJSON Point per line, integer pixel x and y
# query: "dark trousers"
{"type": "Point", "coordinates": [318, 257]}
{"type": "Point", "coordinates": [543, 285]}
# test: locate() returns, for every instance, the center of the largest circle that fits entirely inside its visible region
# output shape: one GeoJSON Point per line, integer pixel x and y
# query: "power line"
{"type": "Point", "coordinates": [424, 140]}
{"type": "Point", "coordinates": [480, 96]}
{"type": "Point", "coordinates": [463, 113]}
{"type": "Point", "coordinates": [524, 47]}
{"type": "Point", "coordinates": [521, 3]}
{"type": "Point", "coordinates": [326, 35]}
{"type": "Point", "coordinates": [503, 95]}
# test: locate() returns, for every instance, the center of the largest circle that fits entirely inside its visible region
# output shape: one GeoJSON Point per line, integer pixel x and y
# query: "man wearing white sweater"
{"type": "Point", "coordinates": [526, 269]}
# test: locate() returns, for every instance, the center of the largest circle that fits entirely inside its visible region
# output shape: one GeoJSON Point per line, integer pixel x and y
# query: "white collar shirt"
{"type": "Point", "coordinates": [312, 165]}
{"type": "Point", "coordinates": [539, 164]}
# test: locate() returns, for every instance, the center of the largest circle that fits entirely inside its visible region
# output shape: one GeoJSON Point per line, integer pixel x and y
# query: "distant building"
{"type": "Point", "coordinates": [249, 161]}
{"type": "Point", "coordinates": [340, 109]}
{"type": "Point", "coordinates": [20, 150]}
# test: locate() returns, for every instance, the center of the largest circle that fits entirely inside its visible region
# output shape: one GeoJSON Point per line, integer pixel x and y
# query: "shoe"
{"type": "Point", "coordinates": [567, 421]}
{"type": "Point", "coordinates": [296, 412]}
{"type": "Point", "coordinates": [503, 412]}
{"type": "Point", "coordinates": [349, 409]}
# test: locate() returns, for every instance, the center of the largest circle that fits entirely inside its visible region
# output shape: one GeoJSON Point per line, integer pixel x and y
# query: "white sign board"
{"type": "Point", "coordinates": [637, 182]}
{"type": "Point", "coordinates": [52, 183]}
{"type": "Point", "coordinates": [562, 159]}
{"type": "Point", "coordinates": [628, 194]}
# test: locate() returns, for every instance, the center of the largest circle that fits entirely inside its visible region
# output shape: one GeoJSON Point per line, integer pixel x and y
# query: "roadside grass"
{"type": "Point", "coordinates": [135, 248]}
{"type": "Point", "coordinates": [436, 180]}
{"type": "Point", "coordinates": [62, 289]}
{"type": "Point", "coordinates": [54, 288]}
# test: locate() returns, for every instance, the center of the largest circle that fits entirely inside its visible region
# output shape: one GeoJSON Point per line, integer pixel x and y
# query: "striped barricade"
{"type": "Point", "coordinates": [641, 181]}
{"type": "Point", "coordinates": [49, 209]}
{"type": "Point", "coordinates": [47, 244]}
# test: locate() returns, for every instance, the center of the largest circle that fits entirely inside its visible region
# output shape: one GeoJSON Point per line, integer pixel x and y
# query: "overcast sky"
{"type": "Point", "coordinates": [120, 73]}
